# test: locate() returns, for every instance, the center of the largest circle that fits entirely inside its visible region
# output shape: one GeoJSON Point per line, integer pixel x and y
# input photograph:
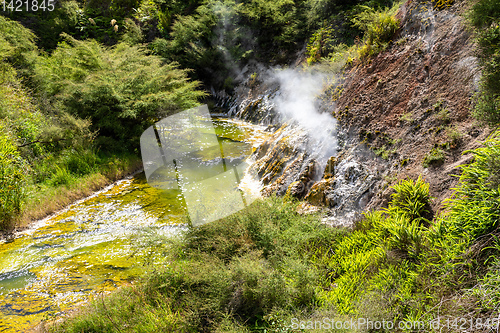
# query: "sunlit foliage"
{"type": "Point", "coordinates": [122, 90]}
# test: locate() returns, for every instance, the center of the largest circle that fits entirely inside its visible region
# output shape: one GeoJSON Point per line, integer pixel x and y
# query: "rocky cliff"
{"type": "Point", "coordinates": [403, 113]}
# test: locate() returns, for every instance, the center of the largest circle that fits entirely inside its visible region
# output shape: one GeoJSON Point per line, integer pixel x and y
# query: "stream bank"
{"type": "Point", "coordinates": [47, 200]}
{"type": "Point", "coordinates": [402, 114]}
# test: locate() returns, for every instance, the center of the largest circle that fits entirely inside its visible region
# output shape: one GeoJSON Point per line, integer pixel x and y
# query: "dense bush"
{"type": "Point", "coordinates": [214, 38]}
{"type": "Point", "coordinates": [412, 199]}
{"type": "Point", "coordinates": [218, 37]}
{"type": "Point", "coordinates": [67, 16]}
{"type": "Point", "coordinates": [378, 28]}
{"type": "Point", "coordinates": [321, 44]}
{"type": "Point", "coordinates": [189, 39]}
{"type": "Point", "coordinates": [122, 90]}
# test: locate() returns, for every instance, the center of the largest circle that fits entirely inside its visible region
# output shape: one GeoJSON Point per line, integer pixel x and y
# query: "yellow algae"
{"type": "Point", "coordinates": [102, 242]}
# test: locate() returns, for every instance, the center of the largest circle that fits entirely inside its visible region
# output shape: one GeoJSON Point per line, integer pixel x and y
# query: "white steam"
{"type": "Point", "coordinates": [298, 101]}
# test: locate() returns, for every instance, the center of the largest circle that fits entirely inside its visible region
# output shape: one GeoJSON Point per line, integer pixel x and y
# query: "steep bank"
{"type": "Point", "coordinates": [414, 100]}
{"type": "Point", "coordinates": [404, 113]}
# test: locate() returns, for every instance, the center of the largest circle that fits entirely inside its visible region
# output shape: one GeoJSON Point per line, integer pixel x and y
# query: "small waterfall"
{"type": "Point", "coordinates": [307, 156]}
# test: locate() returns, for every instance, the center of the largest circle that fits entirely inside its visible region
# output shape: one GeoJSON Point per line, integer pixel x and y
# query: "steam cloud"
{"type": "Point", "coordinates": [298, 102]}
{"type": "Point", "coordinates": [297, 98]}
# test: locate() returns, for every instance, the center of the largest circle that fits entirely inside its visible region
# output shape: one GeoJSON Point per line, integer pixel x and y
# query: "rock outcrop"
{"type": "Point", "coordinates": [404, 113]}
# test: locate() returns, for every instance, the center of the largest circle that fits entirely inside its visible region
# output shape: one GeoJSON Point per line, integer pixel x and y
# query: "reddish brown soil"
{"type": "Point", "coordinates": [397, 99]}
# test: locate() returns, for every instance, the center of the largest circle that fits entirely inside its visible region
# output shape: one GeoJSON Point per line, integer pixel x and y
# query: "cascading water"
{"type": "Point", "coordinates": [307, 156]}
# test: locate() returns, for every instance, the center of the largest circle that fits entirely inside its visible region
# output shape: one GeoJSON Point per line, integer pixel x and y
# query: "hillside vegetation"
{"type": "Point", "coordinates": [79, 87]}
{"type": "Point", "coordinates": [73, 118]}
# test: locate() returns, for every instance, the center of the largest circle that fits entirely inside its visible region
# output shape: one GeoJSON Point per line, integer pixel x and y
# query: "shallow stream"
{"type": "Point", "coordinates": [98, 243]}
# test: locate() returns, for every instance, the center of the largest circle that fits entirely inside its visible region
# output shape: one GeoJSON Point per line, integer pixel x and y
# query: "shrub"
{"type": "Point", "coordinates": [122, 90]}
{"type": "Point", "coordinates": [412, 198]}
{"type": "Point", "coordinates": [11, 180]}
{"type": "Point", "coordinates": [67, 17]}
{"type": "Point", "coordinates": [320, 44]}
{"type": "Point", "coordinates": [443, 116]}
{"type": "Point", "coordinates": [133, 33]}
{"type": "Point", "coordinates": [474, 208]}
{"type": "Point", "coordinates": [277, 22]}
{"type": "Point", "coordinates": [484, 12]}
{"type": "Point", "coordinates": [81, 162]}
{"type": "Point", "coordinates": [435, 157]}
{"type": "Point", "coordinates": [404, 234]}
{"type": "Point", "coordinates": [454, 135]}
{"type": "Point", "coordinates": [378, 28]}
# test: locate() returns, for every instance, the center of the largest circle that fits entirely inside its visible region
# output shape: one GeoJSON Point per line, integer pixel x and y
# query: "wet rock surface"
{"type": "Point", "coordinates": [394, 111]}
{"type": "Point", "coordinates": [343, 185]}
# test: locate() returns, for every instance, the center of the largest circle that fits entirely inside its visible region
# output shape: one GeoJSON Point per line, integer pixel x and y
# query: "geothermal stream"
{"type": "Point", "coordinates": [308, 156]}
{"type": "Point", "coordinates": [99, 243]}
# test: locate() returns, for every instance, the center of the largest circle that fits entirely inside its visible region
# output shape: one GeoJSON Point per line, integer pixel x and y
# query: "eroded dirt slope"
{"type": "Point", "coordinates": [411, 104]}
{"type": "Point", "coordinates": [404, 113]}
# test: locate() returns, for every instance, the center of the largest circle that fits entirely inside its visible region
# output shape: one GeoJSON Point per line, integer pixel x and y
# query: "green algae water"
{"type": "Point", "coordinates": [98, 243]}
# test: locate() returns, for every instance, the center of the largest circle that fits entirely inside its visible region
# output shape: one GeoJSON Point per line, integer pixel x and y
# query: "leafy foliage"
{"type": "Point", "coordinates": [475, 209]}
{"type": "Point", "coordinates": [378, 26]}
{"type": "Point", "coordinates": [320, 44]}
{"type": "Point", "coordinates": [67, 16]}
{"type": "Point", "coordinates": [121, 90]}
{"type": "Point", "coordinates": [411, 198]}
{"type": "Point", "coordinates": [484, 16]}
{"type": "Point", "coordinates": [17, 43]}
{"type": "Point", "coordinates": [189, 39]}
{"type": "Point", "coordinates": [277, 23]}
{"type": "Point", "coordinates": [11, 179]}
